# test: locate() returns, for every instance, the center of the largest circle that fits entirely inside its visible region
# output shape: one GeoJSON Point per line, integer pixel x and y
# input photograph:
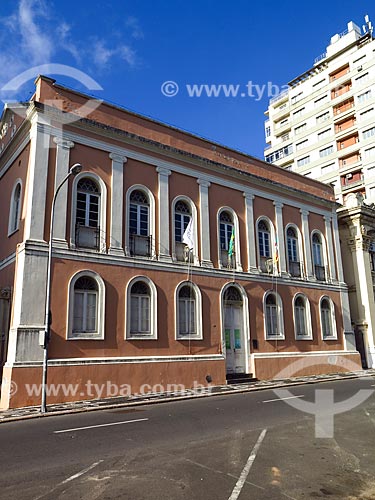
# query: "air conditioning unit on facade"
{"type": "Point", "coordinates": [349, 176]}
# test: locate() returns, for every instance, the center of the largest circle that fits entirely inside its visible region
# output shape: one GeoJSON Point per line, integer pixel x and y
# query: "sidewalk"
{"type": "Point", "coordinates": [153, 398]}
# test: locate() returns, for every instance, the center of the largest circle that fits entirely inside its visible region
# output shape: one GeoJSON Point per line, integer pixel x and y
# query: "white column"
{"type": "Point", "coordinates": [280, 235]}
{"type": "Point", "coordinates": [250, 234]}
{"type": "Point", "coordinates": [62, 168]}
{"type": "Point", "coordinates": [330, 249]}
{"type": "Point", "coordinates": [164, 236]}
{"type": "Point", "coordinates": [336, 239]}
{"type": "Point", "coordinates": [204, 216]}
{"type": "Point", "coordinates": [306, 244]}
{"type": "Point", "coordinates": [117, 204]}
{"type": "Point", "coordinates": [359, 245]}
{"type": "Point", "coordinates": [35, 211]}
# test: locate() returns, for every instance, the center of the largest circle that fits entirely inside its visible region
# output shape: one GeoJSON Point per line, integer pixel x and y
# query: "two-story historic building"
{"type": "Point", "coordinates": [259, 287]}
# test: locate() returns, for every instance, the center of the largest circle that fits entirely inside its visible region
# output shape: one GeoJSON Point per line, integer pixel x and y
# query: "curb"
{"type": "Point", "coordinates": [143, 402]}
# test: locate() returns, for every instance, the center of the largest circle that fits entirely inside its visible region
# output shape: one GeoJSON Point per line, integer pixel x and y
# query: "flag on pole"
{"type": "Point", "coordinates": [188, 237]}
{"type": "Point", "coordinates": [276, 256]}
{"type": "Point", "coordinates": [231, 244]}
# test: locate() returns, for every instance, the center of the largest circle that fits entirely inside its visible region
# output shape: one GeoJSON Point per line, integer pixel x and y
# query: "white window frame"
{"type": "Point", "coordinates": [102, 222]}
{"type": "Point", "coordinates": [198, 312]}
{"type": "Point", "coordinates": [194, 215]}
{"type": "Point", "coordinates": [237, 247]}
{"type": "Point", "coordinates": [272, 239]}
{"type": "Point", "coordinates": [153, 335]}
{"type": "Point", "coordinates": [324, 252]}
{"type": "Point", "coordinates": [100, 310]}
{"type": "Point", "coordinates": [280, 316]}
{"type": "Point", "coordinates": [332, 318]}
{"type": "Point", "coordinates": [151, 216]}
{"type": "Point", "coordinates": [299, 247]}
{"type": "Point", "coordinates": [14, 219]}
{"type": "Point", "coordinates": [309, 335]}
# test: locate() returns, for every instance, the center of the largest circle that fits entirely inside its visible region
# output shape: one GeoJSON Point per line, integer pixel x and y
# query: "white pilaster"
{"type": "Point", "coordinates": [330, 251]}
{"type": "Point", "coordinates": [280, 235]}
{"type": "Point", "coordinates": [204, 216]}
{"type": "Point", "coordinates": [250, 234]}
{"type": "Point", "coordinates": [337, 247]}
{"type": "Point", "coordinates": [164, 247]}
{"type": "Point", "coordinates": [62, 168]}
{"type": "Point", "coordinates": [306, 243]}
{"type": "Point", "coordinates": [117, 204]}
{"type": "Point", "coordinates": [37, 181]}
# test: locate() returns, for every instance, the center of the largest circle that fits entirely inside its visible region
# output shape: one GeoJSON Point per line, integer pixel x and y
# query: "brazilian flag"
{"type": "Point", "coordinates": [231, 244]}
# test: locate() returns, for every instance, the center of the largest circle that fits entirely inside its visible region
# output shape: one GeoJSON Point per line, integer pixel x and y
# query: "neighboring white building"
{"type": "Point", "coordinates": [323, 125]}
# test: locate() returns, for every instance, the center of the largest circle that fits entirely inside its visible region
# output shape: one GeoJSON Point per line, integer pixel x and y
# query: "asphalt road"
{"type": "Point", "coordinates": [246, 446]}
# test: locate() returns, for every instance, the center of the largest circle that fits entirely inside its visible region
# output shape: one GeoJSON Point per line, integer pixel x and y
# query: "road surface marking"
{"type": "Point", "coordinates": [282, 399]}
{"type": "Point", "coordinates": [71, 478]}
{"type": "Point", "coordinates": [245, 472]}
{"type": "Point", "coordinates": [101, 425]}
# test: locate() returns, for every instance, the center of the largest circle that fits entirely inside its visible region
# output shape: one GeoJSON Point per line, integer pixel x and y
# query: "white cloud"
{"type": "Point", "coordinates": [33, 35]}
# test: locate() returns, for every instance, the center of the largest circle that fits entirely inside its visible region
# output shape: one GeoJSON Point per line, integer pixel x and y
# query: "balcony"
{"type": "Point", "coordinates": [226, 261]}
{"type": "Point", "coordinates": [338, 111]}
{"type": "Point", "coordinates": [320, 273]}
{"type": "Point", "coordinates": [295, 268]}
{"type": "Point", "coordinates": [140, 245]}
{"type": "Point", "coordinates": [87, 237]}
{"type": "Point", "coordinates": [182, 253]}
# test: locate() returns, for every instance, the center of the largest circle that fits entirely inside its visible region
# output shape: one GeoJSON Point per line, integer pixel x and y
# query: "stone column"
{"type": "Point", "coordinates": [204, 214]}
{"type": "Point", "coordinates": [164, 209]}
{"type": "Point", "coordinates": [330, 249]}
{"type": "Point", "coordinates": [359, 245]}
{"type": "Point", "coordinates": [36, 192]}
{"type": "Point", "coordinates": [117, 204]}
{"type": "Point", "coordinates": [280, 236]}
{"type": "Point", "coordinates": [62, 169]}
{"type": "Point", "coordinates": [250, 234]}
{"type": "Point", "coordinates": [306, 244]}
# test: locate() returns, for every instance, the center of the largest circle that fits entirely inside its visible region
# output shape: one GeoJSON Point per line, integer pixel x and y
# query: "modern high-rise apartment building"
{"type": "Point", "coordinates": [323, 125]}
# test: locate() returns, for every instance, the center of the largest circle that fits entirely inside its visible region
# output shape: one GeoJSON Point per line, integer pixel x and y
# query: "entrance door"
{"type": "Point", "coordinates": [234, 331]}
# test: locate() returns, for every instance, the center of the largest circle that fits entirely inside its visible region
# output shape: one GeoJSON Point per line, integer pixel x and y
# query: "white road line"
{"type": "Point", "coordinates": [81, 472]}
{"type": "Point", "coordinates": [245, 472]}
{"type": "Point", "coordinates": [101, 425]}
{"type": "Point", "coordinates": [282, 399]}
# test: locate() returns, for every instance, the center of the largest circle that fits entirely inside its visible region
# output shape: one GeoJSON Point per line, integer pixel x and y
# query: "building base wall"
{"type": "Point", "coordinates": [89, 381]}
{"type": "Point", "coordinates": [285, 366]}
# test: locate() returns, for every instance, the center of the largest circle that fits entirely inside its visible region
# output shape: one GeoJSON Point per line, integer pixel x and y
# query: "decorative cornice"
{"type": "Point", "coordinates": [203, 183]}
{"type": "Point", "coordinates": [116, 158]}
{"type": "Point", "coordinates": [63, 143]}
{"type": "Point", "coordinates": [163, 171]}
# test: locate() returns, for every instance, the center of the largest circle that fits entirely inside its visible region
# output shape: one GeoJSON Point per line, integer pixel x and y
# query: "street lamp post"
{"type": "Point", "coordinates": [74, 170]}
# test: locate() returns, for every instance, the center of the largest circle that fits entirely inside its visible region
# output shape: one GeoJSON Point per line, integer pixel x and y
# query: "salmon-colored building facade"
{"type": "Point", "coordinates": [175, 260]}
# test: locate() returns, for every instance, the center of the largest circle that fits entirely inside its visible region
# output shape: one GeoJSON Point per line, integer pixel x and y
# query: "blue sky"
{"type": "Point", "coordinates": [131, 47]}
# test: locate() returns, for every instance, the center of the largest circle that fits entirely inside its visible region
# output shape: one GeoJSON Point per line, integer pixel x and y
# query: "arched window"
{"type": "Point", "coordinates": [87, 214]}
{"type": "Point", "coordinates": [274, 322]}
{"type": "Point", "coordinates": [264, 246]}
{"type": "Point", "coordinates": [227, 237]}
{"type": "Point", "coordinates": [318, 259]}
{"type": "Point", "coordinates": [86, 306]}
{"type": "Point", "coordinates": [139, 224]}
{"type": "Point", "coordinates": [188, 311]}
{"type": "Point", "coordinates": [182, 216]}
{"type": "Point", "coordinates": [327, 319]}
{"type": "Point", "coordinates": [141, 307]}
{"type": "Point", "coordinates": [302, 318]}
{"type": "Point", "coordinates": [294, 265]}
{"type": "Point", "coordinates": [15, 208]}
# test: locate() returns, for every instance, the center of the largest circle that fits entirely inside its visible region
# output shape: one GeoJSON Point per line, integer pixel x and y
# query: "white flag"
{"type": "Point", "coordinates": [187, 237]}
